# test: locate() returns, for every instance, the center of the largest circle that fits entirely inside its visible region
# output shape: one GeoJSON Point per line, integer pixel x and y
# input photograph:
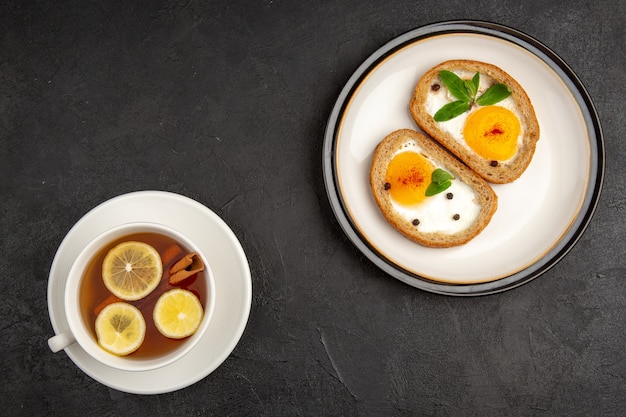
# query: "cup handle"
{"type": "Point", "coordinates": [61, 341]}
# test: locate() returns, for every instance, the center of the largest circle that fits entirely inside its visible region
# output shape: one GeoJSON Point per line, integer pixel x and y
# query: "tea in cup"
{"type": "Point", "coordinates": [138, 297]}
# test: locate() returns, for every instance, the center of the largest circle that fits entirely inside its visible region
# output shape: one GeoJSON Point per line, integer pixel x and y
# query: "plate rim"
{"type": "Point", "coordinates": [583, 100]}
{"type": "Point", "coordinates": [75, 352]}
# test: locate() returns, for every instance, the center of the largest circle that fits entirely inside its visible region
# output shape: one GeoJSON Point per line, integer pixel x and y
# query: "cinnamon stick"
{"type": "Point", "coordinates": [186, 267]}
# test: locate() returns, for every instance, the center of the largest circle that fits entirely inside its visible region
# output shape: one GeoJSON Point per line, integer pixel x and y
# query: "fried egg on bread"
{"type": "Point", "coordinates": [400, 175]}
{"type": "Point", "coordinates": [496, 140]}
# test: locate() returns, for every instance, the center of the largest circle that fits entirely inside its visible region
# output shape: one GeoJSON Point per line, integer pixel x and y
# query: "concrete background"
{"type": "Point", "coordinates": [226, 102]}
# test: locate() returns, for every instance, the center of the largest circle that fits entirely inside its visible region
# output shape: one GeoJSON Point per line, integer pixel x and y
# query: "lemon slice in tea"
{"type": "Point", "coordinates": [132, 270]}
{"type": "Point", "coordinates": [120, 328]}
{"type": "Point", "coordinates": [178, 313]}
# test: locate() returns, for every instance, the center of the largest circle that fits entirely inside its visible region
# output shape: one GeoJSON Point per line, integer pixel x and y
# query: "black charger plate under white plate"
{"type": "Point", "coordinates": [540, 216]}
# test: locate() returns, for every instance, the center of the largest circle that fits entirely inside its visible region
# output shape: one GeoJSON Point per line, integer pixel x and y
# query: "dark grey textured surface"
{"type": "Point", "coordinates": [226, 102]}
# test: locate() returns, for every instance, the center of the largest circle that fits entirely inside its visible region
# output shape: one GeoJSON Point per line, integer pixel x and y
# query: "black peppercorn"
{"type": "Point", "coordinates": [435, 87]}
{"type": "Point", "coordinates": [449, 196]}
{"type": "Point", "coordinates": [456, 217]}
{"type": "Point", "coordinates": [494, 163]}
{"type": "Point", "coordinates": [387, 186]}
{"type": "Point", "coordinates": [415, 222]}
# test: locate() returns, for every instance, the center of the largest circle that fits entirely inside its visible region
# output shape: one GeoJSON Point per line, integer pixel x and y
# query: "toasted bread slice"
{"type": "Point", "coordinates": [450, 218]}
{"type": "Point", "coordinates": [431, 93]}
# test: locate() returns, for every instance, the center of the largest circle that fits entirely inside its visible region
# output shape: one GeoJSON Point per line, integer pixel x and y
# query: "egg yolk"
{"type": "Point", "coordinates": [492, 132]}
{"type": "Point", "coordinates": [408, 176]}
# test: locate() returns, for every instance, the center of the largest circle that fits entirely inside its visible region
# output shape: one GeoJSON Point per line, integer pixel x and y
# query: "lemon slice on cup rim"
{"type": "Point", "coordinates": [178, 313]}
{"type": "Point", "coordinates": [131, 270]}
{"type": "Point", "coordinates": [120, 328]}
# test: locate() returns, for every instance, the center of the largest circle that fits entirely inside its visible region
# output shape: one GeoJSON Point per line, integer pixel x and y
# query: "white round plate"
{"type": "Point", "coordinates": [540, 216]}
{"type": "Point", "coordinates": [233, 286]}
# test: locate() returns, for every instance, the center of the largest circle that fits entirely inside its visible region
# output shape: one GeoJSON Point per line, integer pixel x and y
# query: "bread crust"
{"type": "Point", "coordinates": [485, 196]}
{"type": "Point", "coordinates": [504, 171]}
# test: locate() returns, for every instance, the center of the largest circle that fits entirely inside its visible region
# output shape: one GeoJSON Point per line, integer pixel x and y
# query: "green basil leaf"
{"type": "Point", "coordinates": [469, 85]}
{"type": "Point", "coordinates": [494, 94]}
{"type": "Point", "coordinates": [472, 85]}
{"type": "Point", "coordinates": [451, 110]}
{"type": "Point", "coordinates": [434, 188]}
{"type": "Point", "coordinates": [439, 175]}
{"type": "Point", "coordinates": [476, 81]}
{"type": "Point", "coordinates": [455, 85]}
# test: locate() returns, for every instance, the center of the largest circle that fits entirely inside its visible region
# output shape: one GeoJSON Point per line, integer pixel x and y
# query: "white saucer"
{"type": "Point", "coordinates": [233, 286]}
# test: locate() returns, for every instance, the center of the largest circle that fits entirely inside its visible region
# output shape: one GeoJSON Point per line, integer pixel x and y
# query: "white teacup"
{"type": "Point", "coordinates": [79, 331]}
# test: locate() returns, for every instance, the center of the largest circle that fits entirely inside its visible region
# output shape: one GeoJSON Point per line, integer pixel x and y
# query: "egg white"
{"type": "Point", "coordinates": [435, 214]}
{"type": "Point", "coordinates": [454, 127]}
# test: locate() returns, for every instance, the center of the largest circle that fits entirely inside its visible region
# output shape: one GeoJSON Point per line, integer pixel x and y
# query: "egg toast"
{"type": "Point", "coordinates": [480, 114]}
{"type": "Point", "coordinates": [427, 194]}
